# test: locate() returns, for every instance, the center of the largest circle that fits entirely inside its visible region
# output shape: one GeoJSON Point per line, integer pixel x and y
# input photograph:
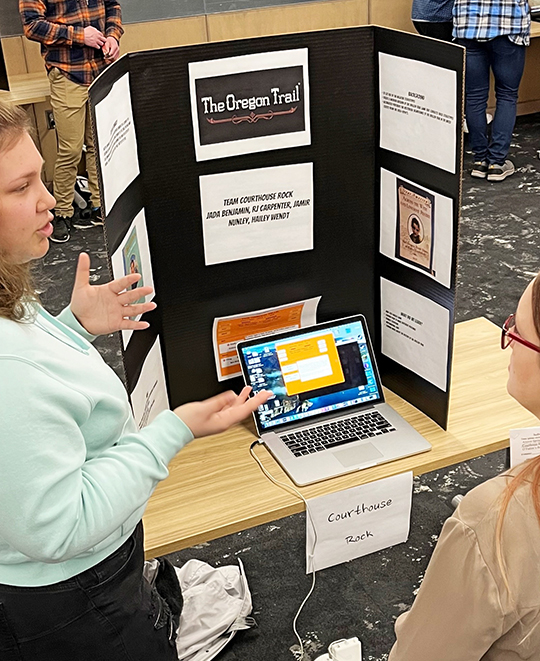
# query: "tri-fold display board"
{"type": "Point", "coordinates": [266, 184]}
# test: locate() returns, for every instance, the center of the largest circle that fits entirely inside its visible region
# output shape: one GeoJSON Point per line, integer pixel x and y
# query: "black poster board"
{"type": "Point", "coordinates": [344, 265]}
{"type": "Point", "coordinates": [428, 398]}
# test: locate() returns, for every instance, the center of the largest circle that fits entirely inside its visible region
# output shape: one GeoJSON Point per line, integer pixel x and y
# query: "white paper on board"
{"type": "Point", "coordinates": [228, 331]}
{"type": "Point", "coordinates": [418, 114]}
{"type": "Point", "coordinates": [252, 213]}
{"type": "Point", "coordinates": [524, 444]}
{"type": "Point", "coordinates": [250, 103]}
{"type": "Point", "coordinates": [149, 397]}
{"type": "Point", "coordinates": [133, 256]}
{"type": "Point", "coordinates": [415, 332]}
{"type": "Point", "coordinates": [442, 232]}
{"type": "Point", "coordinates": [358, 521]}
{"type": "Point", "coordinates": [117, 142]}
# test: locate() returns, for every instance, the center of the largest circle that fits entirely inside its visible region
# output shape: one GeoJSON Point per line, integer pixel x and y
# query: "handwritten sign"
{"type": "Point", "coordinates": [524, 444]}
{"type": "Point", "coordinates": [358, 521]}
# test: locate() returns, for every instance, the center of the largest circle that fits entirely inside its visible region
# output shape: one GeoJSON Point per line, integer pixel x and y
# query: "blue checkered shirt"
{"type": "Point", "coordinates": [487, 19]}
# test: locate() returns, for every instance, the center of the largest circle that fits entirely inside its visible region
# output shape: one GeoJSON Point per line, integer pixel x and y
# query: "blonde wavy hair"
{"type": "Point", "coordinates": [16, 284]}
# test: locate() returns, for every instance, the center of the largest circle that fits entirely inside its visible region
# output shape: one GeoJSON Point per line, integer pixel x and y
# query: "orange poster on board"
{"type": "Point", "coordinates": [310, 363]}
{"type": "Point", "coordinates": [229, 331]}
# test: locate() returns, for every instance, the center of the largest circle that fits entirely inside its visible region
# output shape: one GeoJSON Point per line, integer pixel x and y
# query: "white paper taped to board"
{"type": "Point", "coordinates": [253, 213]}
{"type": "Point", "coordinates": [418, 110]}
{"type": "Point", "coordinates": [415, 332]}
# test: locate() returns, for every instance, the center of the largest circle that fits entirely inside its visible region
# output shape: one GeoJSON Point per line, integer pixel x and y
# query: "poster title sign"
{"type": "Point", "coordinates": [253, 213]}
{"type": "Point", "coordinates": [250, 103]}
{"type": "Point", "coordinates": [358, 521]}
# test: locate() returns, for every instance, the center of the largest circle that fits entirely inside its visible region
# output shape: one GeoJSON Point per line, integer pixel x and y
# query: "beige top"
{"type": "Point", "coordinates": [463, 611]}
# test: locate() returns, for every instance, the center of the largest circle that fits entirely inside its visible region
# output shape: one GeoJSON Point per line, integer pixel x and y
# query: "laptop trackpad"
{"type": "Point", "coordinates": [363, 454]}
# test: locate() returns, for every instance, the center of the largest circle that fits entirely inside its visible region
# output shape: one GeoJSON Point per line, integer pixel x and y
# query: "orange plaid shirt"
{"type": "Point", "coordinates": [59, 26]}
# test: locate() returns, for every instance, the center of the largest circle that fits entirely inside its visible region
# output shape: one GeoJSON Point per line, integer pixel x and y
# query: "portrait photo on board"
{"type": "Point", "coordinates": [132, 259]}
{"type": "Point", "coordinates": [415, 225]}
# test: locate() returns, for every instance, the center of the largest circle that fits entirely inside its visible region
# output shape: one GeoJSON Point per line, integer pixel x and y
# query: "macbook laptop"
{"type": "Point", "coordinates": [327, 415]}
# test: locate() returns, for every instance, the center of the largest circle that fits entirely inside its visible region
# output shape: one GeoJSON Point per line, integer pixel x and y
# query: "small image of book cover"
{"type": "Point", "coordinates": [132, 260]}
{"type": "Point", "coordinates": [415, 220]}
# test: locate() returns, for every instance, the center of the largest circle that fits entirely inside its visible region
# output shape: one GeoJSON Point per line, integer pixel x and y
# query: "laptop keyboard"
{"type": "Point", "coordinates": [324, 437]}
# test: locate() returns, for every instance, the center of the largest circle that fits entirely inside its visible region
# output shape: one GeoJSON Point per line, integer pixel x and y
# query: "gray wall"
{"type": "Point", "coordinates": [137, 11]}
{"type": "Point", "coordinates": [10, 23]}
{"type": "Point", "coordinates": [134, 11]}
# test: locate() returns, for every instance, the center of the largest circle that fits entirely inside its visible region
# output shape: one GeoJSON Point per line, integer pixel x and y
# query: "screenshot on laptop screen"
{"type": "Point", "coordinates": [314, 372]}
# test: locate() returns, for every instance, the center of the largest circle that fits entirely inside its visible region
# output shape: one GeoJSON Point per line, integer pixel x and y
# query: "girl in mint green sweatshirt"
{"type": "Point", "coordinates": [75, 473]}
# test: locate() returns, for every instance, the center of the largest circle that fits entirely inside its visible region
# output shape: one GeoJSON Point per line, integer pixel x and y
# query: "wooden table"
{"type": "Point", "coordinates": [27, 88]}
{"type": "Point", "coordinates": [215, 488]}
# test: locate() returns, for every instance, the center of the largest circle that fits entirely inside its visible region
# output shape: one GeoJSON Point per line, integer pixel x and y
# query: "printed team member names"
{"type": "Point", "coordinates": [258, 208]}
{"type": "Point", "coordinates": [232, 102]}
{"type": "Point", "coordinates": [358, 511]}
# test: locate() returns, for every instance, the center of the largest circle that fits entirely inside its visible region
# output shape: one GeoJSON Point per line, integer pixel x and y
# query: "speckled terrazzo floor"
{"type": "Point", "coordinates": [499, 254]}
{"type": "Point", "coordinates": [499, 248]}
{"type": "Point", "coordinates": [359, 598]}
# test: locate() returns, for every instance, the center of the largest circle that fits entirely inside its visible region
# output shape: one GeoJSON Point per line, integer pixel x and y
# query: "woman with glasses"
{"type": "Point", "coordinates": [480, 597]}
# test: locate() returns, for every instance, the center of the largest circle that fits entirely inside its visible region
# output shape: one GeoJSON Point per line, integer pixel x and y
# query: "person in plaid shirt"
{"type": "Point", "coordinates": [78, 38]}
{"type": "Point", "coordinates": [495, 34]}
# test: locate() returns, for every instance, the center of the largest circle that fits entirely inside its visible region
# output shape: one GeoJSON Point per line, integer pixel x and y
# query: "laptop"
{"type": "Point", "coordinates": [327, 416]}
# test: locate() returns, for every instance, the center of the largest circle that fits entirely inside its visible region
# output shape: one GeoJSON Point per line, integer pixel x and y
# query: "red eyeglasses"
{"type": "Point", "coordinates": [509, 335]}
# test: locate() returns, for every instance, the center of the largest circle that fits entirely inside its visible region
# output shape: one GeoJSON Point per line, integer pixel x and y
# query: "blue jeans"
{"type": "Point", "coordinates": [506, 59]}
{"type": "Point", "coordinates": [107, 613]}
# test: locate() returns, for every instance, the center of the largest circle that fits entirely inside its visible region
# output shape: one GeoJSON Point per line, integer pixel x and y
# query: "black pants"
{"type": "Point", "coordinates": [107, 613]}
{"type": "Point", "coordinates": [442, 31]}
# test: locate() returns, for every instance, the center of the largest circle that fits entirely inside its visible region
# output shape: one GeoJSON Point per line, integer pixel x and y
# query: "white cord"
{"type": "Point", "coordinates": [290, 488]}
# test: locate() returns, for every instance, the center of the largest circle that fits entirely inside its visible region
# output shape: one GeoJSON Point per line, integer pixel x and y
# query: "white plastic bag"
{"type": "Point", "coordinates": [217, 603]}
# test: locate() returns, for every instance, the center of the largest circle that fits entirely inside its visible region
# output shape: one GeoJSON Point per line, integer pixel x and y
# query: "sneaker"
{"type": "Point", "coordinates": [81, 223]}
{"type": "Point", "coordinates": [88, 219]}
{"type": "Point", "coordinates": [480, 169]}
{"type": "Point", "coordinates": [96, 217]}
{"type": "Point", "coordinates": [61, 231]}
{"type": "Point", "coordinates": [499, 172]}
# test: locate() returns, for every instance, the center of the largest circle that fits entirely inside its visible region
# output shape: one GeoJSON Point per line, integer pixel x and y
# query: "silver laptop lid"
{"type": "Point", "coordinates": [314, 373]}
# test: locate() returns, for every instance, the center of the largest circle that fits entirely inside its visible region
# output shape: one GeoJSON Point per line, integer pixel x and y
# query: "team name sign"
{"type": "Point", "coordinates": [355, 522]}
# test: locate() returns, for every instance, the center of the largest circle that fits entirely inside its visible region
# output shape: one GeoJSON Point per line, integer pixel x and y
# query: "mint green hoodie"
{"type": "Point", "coordinates": [75, 473]}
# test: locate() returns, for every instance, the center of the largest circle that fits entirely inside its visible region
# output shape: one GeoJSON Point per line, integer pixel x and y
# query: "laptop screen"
{"type": "Point", "coordinates": [322, 369]}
